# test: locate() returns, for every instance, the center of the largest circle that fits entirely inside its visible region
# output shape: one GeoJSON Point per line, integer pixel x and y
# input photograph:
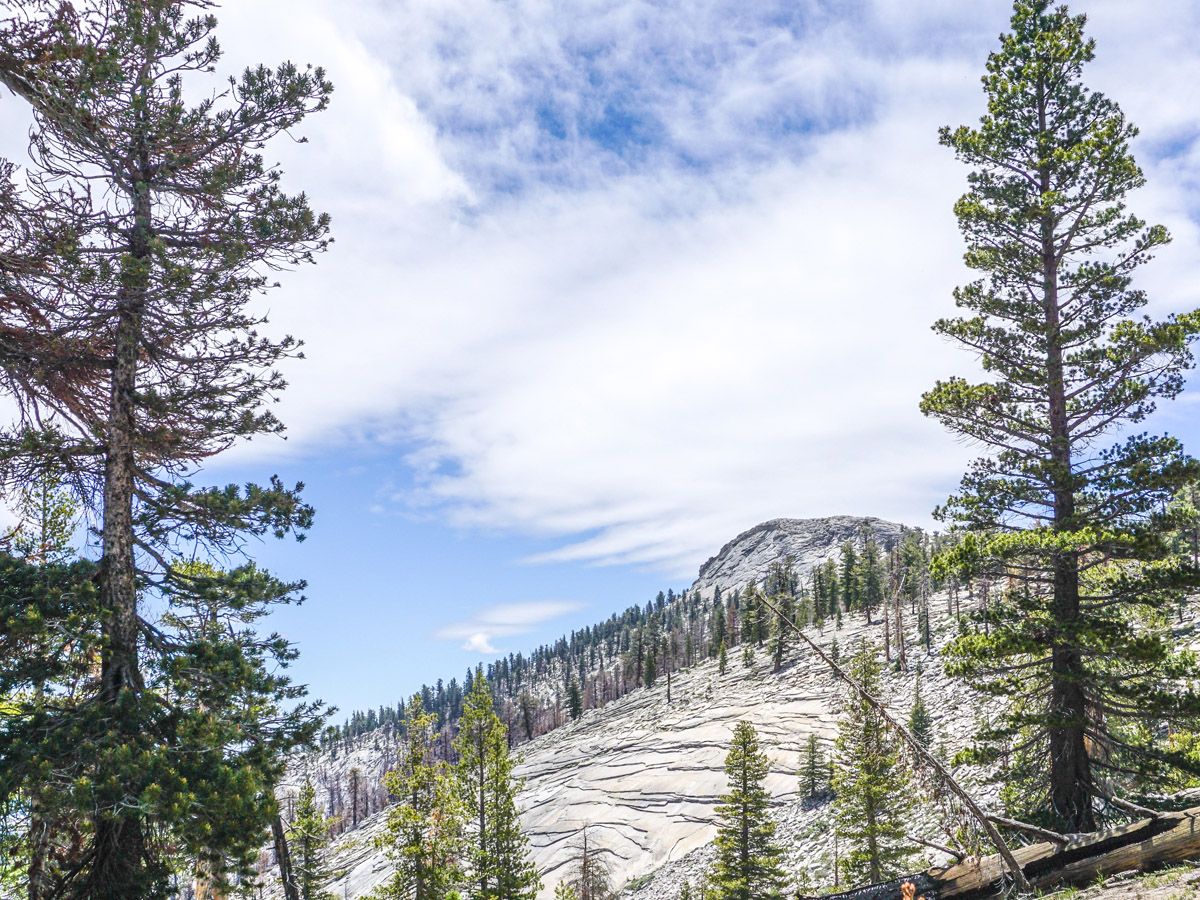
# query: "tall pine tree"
{"type": "Point", "coordinates": [134, 356]}
{"type": "Point", "coordinates": [308, 838]}
{"type": "Point", "coordinates": [747, 864]}
{"type": "Point", "coordinates": [1069, 515]}
{"type": "Point", "coordinates": [871, 796]}
{"type": "Point", "coordinates": [497, 859]}
{"type": "Point", "coordinates": [424, 832]}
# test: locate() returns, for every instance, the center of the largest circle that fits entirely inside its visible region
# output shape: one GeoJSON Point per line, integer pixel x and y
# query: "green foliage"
{"type": "Point", "coordinates": [575, 699]}
{"type": "Point", "coordinates": [871, 791]}
{"type": "Point", "coordinates": [201, 749]}
{"type": "Point", "coordinates": [747, 863]}
{"type": "Point", "coordinates": [1079, 528]}
{"type": "Point", "coordinates": [564, 891]}
{"type": "Point", "coordinates": [920, 722]}
{"type": "Point", "coordinates": [424, 832]}
{"type": "Point", "coordinates": [813, 768]}
{"type": "Point", "coordinates": [308, 838]}
{"type": "Point", "coordinates": [497, 864]}
{"type": "Point", "coordinates": [781, 633]}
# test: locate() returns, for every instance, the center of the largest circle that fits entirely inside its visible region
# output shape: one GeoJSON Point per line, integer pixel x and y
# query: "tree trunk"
{"type": "Point", "coordinates": [1070, 769]}
{"type": "Point", "coordinates": [283, 859]}
{"type": "Point", "coordinates": [1142, 845]}
{"type": "Point", "coordinates": [120, 849]}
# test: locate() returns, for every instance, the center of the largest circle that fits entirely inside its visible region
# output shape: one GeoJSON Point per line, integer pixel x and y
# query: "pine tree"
{"type": "Point", "coordinates": [920, 722]}
{"type": "Point", "coordinates": [47, 517]}
{"type": "Point", "coordinates": [1068, 515]}
{"type": "Point", "coordinates": [748, 654]}
{"type": "Point", "coordinates": [781, 631]}
{"type": "Point", "coordinates": [849, 576]}
{"type": "Point", "coordinates": [722, 659]}
{"type": "Point", "coordinates": [870, 577]}
{"type": "Point", "coordinates": [564, 891]}
{"type": "Point", "coordinates": [747, 865]}
{"type": "Point", "coordinates": [718, 623]}
{"type": "Point", "coordinates": [497, 859]}
{"type": "Point", "coordinates": [754, 621]}
{"type": "Point", "coordinates": [813, 768]}
{"type": "Point", "coordinates": [870, 788]}
{"type": "Point", "coordinates": [134, 356]}
{"type": "Point", "coordinates": [308, 836]}
{"type": "Point", "coordinates": [574, 699]}
{"type": "Point", "coordinates": [424, 832]}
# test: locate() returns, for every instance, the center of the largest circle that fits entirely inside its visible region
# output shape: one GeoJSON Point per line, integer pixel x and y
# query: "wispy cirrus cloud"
{"type": "Point", "coordinates": [633, 276]}
{"type": "Point", "coordinates": [479, 633]}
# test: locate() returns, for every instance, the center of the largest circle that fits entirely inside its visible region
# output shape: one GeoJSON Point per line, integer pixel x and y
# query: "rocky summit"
{"type": "Point", "coordinates": [808, 542]}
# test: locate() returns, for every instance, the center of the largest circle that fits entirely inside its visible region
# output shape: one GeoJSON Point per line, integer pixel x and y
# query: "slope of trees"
{"type": "Point", "coordinates": [536, 691]}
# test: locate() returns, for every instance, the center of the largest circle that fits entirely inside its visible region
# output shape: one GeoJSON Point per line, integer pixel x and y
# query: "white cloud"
{"type": "Point", "coordinates": [504, 620]}
{"type": "Point", "coordinates": [639, 350]}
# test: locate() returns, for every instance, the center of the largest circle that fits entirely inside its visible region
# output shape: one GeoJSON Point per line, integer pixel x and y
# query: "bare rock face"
{"type": "Point", "coordinates": [809, 542]}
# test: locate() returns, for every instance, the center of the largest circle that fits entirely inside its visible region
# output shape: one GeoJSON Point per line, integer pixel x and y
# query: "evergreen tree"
{"type": "Point", "coordinates": [722, 659]}
{"type": "Point", "coordinates": [718, 622]}
{"type": "Point", "coordinates": [754, 616]}
{"type": "Point", "coordinates": [747, 865]}
{"type": "Point", "coordinates": [564, 891]}
{"type": "Point", "coordinates": [497, 858]}
{"type": "Point", "coordinates": [871, 792]}
{"type": "Point", "coordinates": [1071, 517]}
{"type": "Point", "coordinates": [308, 836]}
{"type": "Point", "coordinates": [870, 576]}
{"type": "Point", "coordinates": [574, 699]}
{"type": "Point", "coordinates": [813, 768]}
{"type": "Point", "coordinates": [134, 357]}
{"type": "Point", "coordinates": [781, 630]}
{"type": "Point", "coordinates": [424, 832]}
{"type": "Point", "coordinates": [849, 576]}
{"type": "Point", "coordinates": [920, 722]}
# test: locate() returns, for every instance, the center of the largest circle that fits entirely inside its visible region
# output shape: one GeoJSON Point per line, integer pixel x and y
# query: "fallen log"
{"type": "Point", "coordinates": [1080, 859]}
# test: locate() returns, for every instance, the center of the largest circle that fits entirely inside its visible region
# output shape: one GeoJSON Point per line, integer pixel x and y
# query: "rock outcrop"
{"type": "Point", "coordinates": [809, 542]}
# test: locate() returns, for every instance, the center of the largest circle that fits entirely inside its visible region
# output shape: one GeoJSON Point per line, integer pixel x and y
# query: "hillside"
{"type": "Point", "coordinates": [643, 772]}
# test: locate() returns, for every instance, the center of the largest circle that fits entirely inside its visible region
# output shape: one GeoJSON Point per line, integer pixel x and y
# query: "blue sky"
{"type": "Point", "coordinates": [615, 280]}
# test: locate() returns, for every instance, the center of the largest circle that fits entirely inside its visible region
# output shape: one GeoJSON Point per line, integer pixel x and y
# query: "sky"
{"type": "Point", "coordinates": [614, 281]}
